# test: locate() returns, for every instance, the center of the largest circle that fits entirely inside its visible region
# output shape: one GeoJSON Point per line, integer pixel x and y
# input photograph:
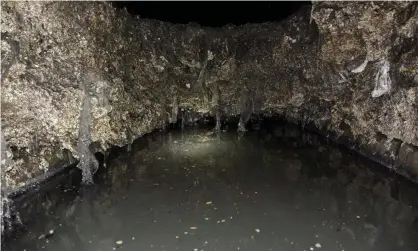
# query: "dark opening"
{"type": "Point", "coordinates": [213, 14]}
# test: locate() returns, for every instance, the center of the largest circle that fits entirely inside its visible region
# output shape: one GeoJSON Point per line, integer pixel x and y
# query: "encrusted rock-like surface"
{"type": "Point", "coordinates": [371, 49]}
{"type": "Point", "coordinates": [80, 74]}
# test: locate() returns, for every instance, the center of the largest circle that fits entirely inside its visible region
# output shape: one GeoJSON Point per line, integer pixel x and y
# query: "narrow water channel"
{"type": "Point", "coordinates": [195, 190]}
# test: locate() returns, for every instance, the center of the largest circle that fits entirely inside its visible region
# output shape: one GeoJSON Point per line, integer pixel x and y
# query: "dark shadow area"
{"type": "Point", "coordinates": [214, 14]}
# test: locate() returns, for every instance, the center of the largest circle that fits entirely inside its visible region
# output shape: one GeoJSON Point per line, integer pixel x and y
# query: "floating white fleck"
{"type": "Point", "coordinates": [318, 245]}
{"type": "Point", "coordinates": [133, 238]}
{"type": "Point", "coordinates": [177, 237]}
{"type": "Point", "coordinates": [210, 56]}
{"type": "Point", "coordinates": [358, 216]}
{"type": "Point", "coordinates": [292, 40]}
{"type": "Point", "coordinates": [186, 232]}
{"type": "Point", "coordinates": [51, 231]}
{"type": "Point", "coordinates": [361, 67]}
{"type": "Point", "coordinates": [119, 242]}
{"type": "Point", "coordinates": [188, 86]}
{"type": "Point", "coordinates": [207, 218]}
{"type": "Point", "coordinates": [311, 248]}
{"type": "Point", "coordinates": [257, 230]}
{"type": "Point", "coordinates": [209, 202]}
{"type": "Point", "coordinates": [383, 82]}
{"type": "Point", "coordinates": [193, 228]}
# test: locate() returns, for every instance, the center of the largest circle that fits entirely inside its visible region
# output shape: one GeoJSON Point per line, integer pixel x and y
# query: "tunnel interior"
{"type": "Point", "coordinates": [203, 176]}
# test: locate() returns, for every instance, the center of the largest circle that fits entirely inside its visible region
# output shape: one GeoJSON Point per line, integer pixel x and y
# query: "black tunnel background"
{"type": "Point", "coordinates": [213, 14]}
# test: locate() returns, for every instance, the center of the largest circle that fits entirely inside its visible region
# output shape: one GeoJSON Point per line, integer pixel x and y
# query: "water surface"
{"type": "Point", "coordinates": [194, 190]}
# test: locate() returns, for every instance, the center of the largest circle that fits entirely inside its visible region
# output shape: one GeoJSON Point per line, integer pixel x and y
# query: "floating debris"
{"type": "Point", "coordinates": [257, 230]}
{"type": "Point", "coordinates": [318, 245]}
{"type": "Point", "coordinates": [193, 228]}
{"type": "Point", "coordinates": [208, 202]}
{"type": "Point", "coordinates": [44, 236]}
{"type": "Point", "coordinates": [119, 242]}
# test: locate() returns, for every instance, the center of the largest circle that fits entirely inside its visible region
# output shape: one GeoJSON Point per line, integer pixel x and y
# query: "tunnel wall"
{"type": "Point", "coordinates": [79, 77]}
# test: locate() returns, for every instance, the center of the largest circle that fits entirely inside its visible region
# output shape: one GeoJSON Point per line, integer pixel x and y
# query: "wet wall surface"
{"type": "Point", "coordinates": [197, 190]}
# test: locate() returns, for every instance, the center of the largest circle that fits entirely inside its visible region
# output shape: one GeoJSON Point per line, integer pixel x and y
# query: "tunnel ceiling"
{"type": "Point", "coordinates": [214, 14]}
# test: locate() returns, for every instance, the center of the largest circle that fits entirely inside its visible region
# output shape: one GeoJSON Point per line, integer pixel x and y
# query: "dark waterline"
{"type": "Point", "coordinates": [195, 190]}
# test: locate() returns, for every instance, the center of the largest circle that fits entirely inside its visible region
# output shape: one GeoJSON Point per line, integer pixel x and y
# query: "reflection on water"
{"type": "Point", "coordinates": [195, 190]}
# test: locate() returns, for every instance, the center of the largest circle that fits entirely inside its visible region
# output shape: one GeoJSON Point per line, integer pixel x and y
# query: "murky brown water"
{"type": "Point", "coordinates": [194, 190]}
